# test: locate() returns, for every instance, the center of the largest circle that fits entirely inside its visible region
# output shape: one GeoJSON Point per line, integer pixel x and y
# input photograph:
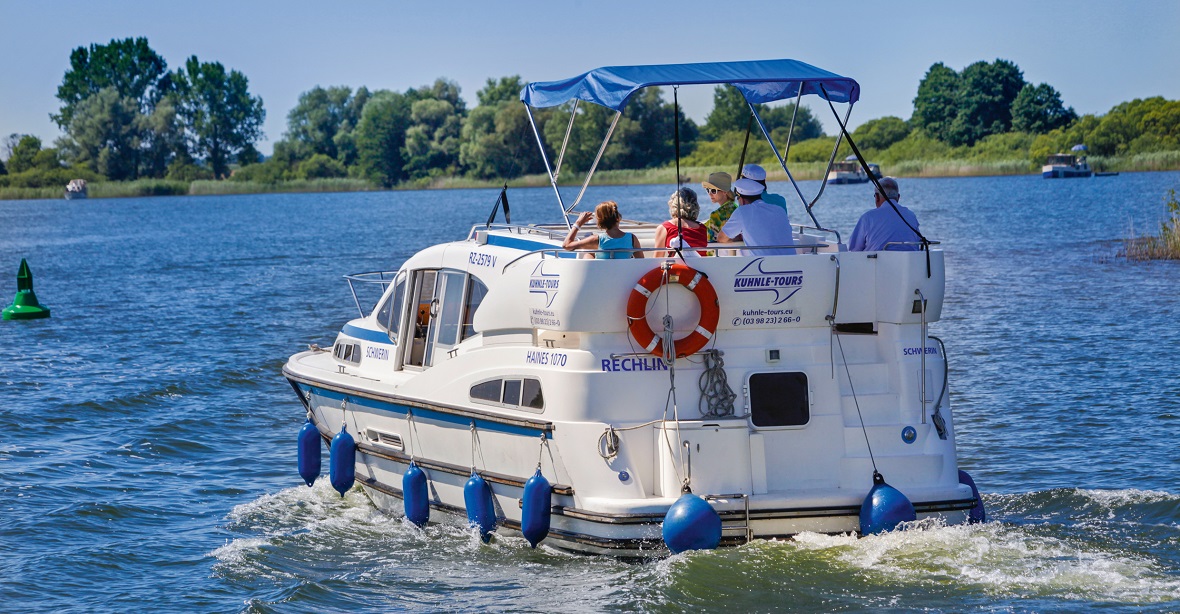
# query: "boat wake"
{"type": "Point", "coordinates": [1042, 549]}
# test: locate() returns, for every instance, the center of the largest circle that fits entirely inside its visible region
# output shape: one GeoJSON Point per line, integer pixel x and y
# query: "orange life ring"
{"type": "Point", "coordinates": [688, 277]}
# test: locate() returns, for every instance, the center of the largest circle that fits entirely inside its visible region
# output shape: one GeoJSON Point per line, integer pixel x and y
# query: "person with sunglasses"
{"type": "Point", "coordinates": [720, 190]}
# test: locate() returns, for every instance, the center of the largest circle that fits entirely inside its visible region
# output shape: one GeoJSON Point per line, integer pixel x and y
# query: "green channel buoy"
{"type": "Point", "coordinates": [25, 305]}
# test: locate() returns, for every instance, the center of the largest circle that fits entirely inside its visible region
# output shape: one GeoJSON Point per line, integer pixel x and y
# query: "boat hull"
{"type": "Point", "coordinates": [627, 528]}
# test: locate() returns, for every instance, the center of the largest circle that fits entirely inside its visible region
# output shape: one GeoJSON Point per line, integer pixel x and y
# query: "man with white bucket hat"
{"type": "Point", "coordinates": [757, 222]}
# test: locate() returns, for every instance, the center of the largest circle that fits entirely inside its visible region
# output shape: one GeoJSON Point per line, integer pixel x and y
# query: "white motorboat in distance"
{"type": "Point", "coordinates": [849, 170]}
{"type": "Point", "coordinates": [790, 384]}
{"type": "Point", "coordinates": [1067, 165]}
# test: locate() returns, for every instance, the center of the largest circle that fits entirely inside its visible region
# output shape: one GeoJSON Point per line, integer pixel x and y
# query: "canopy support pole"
{"type": "Point", "coordinates": [832, 159]}
{"type": "Point", "coordinates": [791, 131]}
{"type": "Point", "coordinates": [548, 169]}
{"type": "Point", "coordinates": [614, 122]}
{"type": "Point", "coordinates": [566, 140]}
{"type": "Point", "coordinates": [781, 161]}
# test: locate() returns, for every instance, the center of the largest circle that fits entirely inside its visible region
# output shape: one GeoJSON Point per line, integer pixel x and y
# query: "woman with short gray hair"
{"type": "Point", "coordinates": [682, 230]}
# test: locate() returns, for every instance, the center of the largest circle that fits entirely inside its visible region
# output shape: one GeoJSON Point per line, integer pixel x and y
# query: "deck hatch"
{"type": "Point", "coordinates": [779, 399]}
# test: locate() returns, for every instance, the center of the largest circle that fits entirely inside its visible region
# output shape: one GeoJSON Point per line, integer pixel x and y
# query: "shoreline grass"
{"type": "Point", "coordinates": [1166, 246]}
{"type": "Point", "coordinates": [802, 171]}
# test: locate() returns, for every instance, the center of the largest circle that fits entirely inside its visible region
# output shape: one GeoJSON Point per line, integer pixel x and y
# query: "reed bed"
{"type": "Point", "coordinates": [8, 193]}
{"type": "Point", "coordinates": [1154, 161]}
{"type": "Point", "coordinates": [141, 187]}
{"type": "Point", "coordinates": [1164, 247]}
{"type": "Point", "coordinates": [216, 188]}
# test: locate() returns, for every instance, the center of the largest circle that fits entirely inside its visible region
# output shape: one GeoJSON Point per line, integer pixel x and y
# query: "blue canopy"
{"type": "Point", "coordinates": [759, 81]}
{"type": "Point", "coordinates": [1078, 147]}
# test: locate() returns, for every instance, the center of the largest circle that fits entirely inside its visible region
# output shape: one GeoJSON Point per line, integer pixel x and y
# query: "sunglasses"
{"type": "Point", "coordinates": [713, 190]}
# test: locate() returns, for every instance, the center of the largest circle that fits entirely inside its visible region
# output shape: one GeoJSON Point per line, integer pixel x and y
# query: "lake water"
{"type": "Point", "coordinates": [147, 460]}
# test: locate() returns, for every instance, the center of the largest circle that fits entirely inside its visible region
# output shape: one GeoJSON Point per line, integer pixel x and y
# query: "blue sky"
{"type": "Point", "coordinates": [1096, 54]}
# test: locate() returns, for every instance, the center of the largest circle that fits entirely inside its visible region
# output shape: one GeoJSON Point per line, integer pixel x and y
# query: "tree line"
{"type": "Point", "coordinates": [125, 116]}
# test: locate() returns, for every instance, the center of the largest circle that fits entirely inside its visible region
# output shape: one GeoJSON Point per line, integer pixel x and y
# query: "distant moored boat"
{"type": "Point", "coordinates": [1067, 166]}
{"type": "Point", "coordinates": [76, 189]}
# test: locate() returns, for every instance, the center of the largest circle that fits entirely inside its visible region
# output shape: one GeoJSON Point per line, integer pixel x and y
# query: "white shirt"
{"type": "Point", "coordinates": [760, 223]}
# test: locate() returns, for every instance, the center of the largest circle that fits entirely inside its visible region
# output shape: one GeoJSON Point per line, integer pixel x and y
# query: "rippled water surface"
{"type": "Point", "coordinates": [147, 460]}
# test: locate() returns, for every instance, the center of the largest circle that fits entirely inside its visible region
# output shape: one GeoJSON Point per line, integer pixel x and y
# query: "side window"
{"type": "Point", "coordinates": [487, 391]}
{"type": "Point", "coordinates": [389, 314]}
{"type": "Point", "coordinates": [532, 394]}
{"type": "Point", "coordinates": [452, 306]}
{"type": "Point", "coordinates": [779, 399]}
{"type": "Point", "coordinates": [517, 393]}
{"type": "Point", "coordinates": [475, 293]}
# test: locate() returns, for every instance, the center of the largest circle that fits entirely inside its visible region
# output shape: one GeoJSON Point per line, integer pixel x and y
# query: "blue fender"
{"type": "Point", "coordinates": [977, 513]}
{"type": "Point", "coordinates": [691, 524]}
{"type": "Point", "coordinates": [536, 508]}
{"type": "Point", "coordinates": [342, 462]}
{"type": "Point", "coordinates": [481, 511]}
{"type": "Point", "coordinates": [416, 495]}
{"type": "Point", "coordinates": [309, 452]}
{"type": "Point", "coordinates": [884, 508]}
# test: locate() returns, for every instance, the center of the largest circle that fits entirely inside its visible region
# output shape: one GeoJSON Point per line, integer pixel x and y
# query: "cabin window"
{"type": "Point", "coordinates": [347, 352]}
{"type": "Point", "coordinates": [445, 301]}
{"type": "Point", "coordinates": [475, 293]}
{"type": "Point", "coordinates": [425, 308]}
{"type": "Point", "coordinates": [532, 394]}
{"type": "Point", "coordinates": [389, 314]}
{"type": "Point", "coordinates": [452, 307]}
{"type": "Point", "coordinates": [779, 399]}
{"type": "Point", "coordinates": [520, 393]}
{"type": "Point", "coordinates": [487, 391]}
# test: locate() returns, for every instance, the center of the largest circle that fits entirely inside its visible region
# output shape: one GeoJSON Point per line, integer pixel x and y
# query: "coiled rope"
{"type": "Point", "coordinates": [716, 395]}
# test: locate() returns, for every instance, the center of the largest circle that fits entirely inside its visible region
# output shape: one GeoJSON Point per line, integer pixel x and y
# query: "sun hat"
{"type": "Point", "coordinates": [755, 172]}
{"type": "Point", "coordinates": [719, 181]}
{"type": "Point", "coordinates": [748, 187]}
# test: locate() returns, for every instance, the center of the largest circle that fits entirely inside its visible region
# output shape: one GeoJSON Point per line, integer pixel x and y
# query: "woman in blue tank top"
{"type": "Point", "coordinates": [614, 242]}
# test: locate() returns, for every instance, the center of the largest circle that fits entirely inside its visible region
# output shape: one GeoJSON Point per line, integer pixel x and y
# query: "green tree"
{"type": "Point", "coordinates": [24, 154]}
{"type": "Point", "coordinates": [321, 117]}
{"type": "Point", "coordinates": [880, 133]}
{"type": "Point", "coordinates": [647, 139]}
{"type": "Point", "coordinates": [1038, 109]}
{"type": "Point", "coordinates": [129, 65]}
{"type": "Point", "coordinates": [937, 102]}
{"type": "Point", "coordinates": [380, 137]}
{"type": "Point", "coordinates": [504, 89]}
{"type": "Point", "coordinates": [496, 139]}
{"type": "Point", "coordinates": [778, 119]}
{"type": "Point", "coordinates": [103, 134]}
{"type": "Point", "coordinates": [321, 166]}
{"type": "Point", "coordinates": [985, 101]}
{"type": "Point", "coordinates": [730, 113]}
{"type": "Point", "coordinates": [162, 139]}
{"type": "Point", "coordinates": [433, 138]}
{"type": "Point", "coordinates": [222, 117]}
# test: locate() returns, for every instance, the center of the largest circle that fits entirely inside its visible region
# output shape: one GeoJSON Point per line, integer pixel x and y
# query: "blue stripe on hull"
{"type": "Point", "coordinates": [437, 415]}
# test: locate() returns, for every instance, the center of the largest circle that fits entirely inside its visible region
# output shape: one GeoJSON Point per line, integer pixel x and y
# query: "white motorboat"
{"type": "Point", "coordinates": [76, 189]}
{"type": "Point", "coordinates": [632, 406]}
{"type": "Point", "coordinates": [849, 170]}
{"type": "Point", "coordinates": [1067, 166]}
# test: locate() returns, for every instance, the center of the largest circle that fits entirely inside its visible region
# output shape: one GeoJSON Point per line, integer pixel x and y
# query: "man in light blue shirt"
{"type": "Point", "coordinates": [883, 224]}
